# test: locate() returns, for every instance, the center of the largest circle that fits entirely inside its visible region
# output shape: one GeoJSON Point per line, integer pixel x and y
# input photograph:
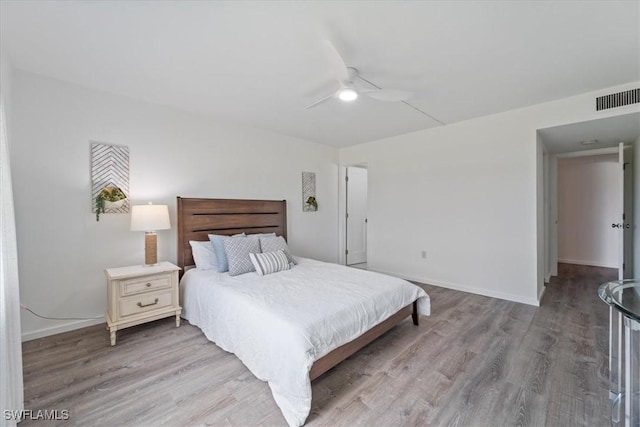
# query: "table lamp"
{"type": "Point", "coordinates": [150, 218]}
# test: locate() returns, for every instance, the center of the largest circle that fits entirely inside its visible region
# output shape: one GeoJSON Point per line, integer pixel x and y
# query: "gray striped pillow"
{"type": "Point", "coordinates": [269, 262]}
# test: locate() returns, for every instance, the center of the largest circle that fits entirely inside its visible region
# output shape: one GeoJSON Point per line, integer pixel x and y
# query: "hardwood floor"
{"type": "Point", "coordinates": [476, 361]}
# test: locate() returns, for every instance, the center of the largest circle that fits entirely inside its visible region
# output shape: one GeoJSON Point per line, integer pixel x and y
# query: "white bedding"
{"type": "Point", "coordinates": [279, 324]}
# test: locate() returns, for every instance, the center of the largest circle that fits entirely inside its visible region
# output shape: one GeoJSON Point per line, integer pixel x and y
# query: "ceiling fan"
{"type": "Point", "coordinates": [350, 83]}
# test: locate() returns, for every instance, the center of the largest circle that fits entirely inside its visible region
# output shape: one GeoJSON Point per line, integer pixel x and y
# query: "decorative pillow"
{"type": "Point", "coordinates": [203, 255]}
{"type": "Point", "coordinates": [269, 262]}
{"type": "Point", "coordinates": [262, 235]}
{"type": "Point", "coordinates": [218, 247]}
{"type": "Point", "coordinates": [258, 236]}
{"type": "Point", "coordinates": [272, 244]}
{"type": "Point", "coordinates": [238, 250]}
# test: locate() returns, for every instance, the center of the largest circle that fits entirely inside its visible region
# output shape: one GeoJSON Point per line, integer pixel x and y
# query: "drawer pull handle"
{"type": "Point", "coordinates": [148, 285]}
{"type": "Point", "coordinates": [147, 305]}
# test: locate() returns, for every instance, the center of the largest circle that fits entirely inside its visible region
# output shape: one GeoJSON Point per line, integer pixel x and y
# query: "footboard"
{"type": "Point", "coordinates": [336, 356]}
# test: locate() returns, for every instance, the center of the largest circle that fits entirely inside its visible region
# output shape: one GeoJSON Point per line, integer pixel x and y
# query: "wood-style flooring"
{"type": "Point", "coordinates": [476, 361]}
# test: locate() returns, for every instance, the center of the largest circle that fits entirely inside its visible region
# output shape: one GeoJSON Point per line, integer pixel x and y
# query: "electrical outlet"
{"type": "Point", "coordinates": [424, 254]}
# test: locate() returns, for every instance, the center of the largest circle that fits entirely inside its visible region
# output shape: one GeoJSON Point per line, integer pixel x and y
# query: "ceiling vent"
{"type": "Point", "coordinates": [618, 99]}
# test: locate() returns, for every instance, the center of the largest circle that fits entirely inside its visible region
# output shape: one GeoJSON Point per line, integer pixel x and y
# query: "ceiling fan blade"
{"type": "Point", "coordinates": [320, 101]}
{"type": "Point", "coordinates": [337, 62]}
{"type": "Point", "coordinates": [388, 95]}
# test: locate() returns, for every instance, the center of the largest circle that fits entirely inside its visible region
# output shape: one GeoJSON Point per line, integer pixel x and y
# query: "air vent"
{"type": "Point", "coordinates": [618, 99]}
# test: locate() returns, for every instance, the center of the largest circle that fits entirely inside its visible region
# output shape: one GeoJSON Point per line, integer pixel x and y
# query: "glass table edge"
{"type": "Point", "coordinates": [605, 292]}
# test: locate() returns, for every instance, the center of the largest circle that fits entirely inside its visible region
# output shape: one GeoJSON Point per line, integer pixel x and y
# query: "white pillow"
{"type": "Point", "coordinates": [203, 255]}
{"type": "Point", "coordinates": [269, 262]}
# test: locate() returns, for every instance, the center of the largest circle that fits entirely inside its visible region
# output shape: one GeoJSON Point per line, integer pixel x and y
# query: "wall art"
{"type": "Point", "coordinates": [109, 179]}
{"type": "Point", "coordinates": [309, 202]}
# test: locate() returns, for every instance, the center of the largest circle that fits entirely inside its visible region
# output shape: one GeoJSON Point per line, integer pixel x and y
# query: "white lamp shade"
{"type": "Point", "coordinates": [150, 217]}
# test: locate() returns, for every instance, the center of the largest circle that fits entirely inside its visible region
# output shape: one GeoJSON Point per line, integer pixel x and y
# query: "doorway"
{"type": "Point", "coordinates": [356, 218]}
{"type": "Point", "coordinates": [587, 205]}
{"type": "Point", "coordinates": [567, 144]}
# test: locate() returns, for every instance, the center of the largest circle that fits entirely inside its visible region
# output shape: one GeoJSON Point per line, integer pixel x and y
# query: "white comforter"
{"type": "Point", "coordinates": [279, 324]}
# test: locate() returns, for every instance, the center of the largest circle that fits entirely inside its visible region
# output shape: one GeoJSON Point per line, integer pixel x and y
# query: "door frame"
{"type": "Point", "coordinates": [342, 210]}
{"type": "Point", "coordinates": [626, 187]}
{"type": "Point", "coordinates": [349, 221]}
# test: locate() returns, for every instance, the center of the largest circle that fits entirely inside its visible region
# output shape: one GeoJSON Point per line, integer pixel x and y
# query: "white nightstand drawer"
{"type": "Point", "coordinates": [145, 302]}
{"type": "Point", "coordinates": [144, 284]}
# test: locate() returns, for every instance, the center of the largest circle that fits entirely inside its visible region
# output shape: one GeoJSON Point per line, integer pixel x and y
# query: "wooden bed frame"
{"type": "Point", "coordinates": [197, 218]}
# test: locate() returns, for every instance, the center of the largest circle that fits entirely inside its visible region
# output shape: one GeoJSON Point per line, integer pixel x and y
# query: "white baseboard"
{"type": "Point", "coordinates": [542, 291]}
{"type": "Point", "coordinates": [589, 263]}
{"type": "Point", "coordinates": [469, 289]}
{"type": "Point", "coordinates": [45, 332]}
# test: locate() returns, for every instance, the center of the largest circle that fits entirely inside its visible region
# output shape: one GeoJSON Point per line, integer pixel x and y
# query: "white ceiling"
{"type": "Point", "coordinates": [260, 63]}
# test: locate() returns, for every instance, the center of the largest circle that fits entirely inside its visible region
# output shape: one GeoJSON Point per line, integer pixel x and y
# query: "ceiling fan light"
{"type": "Point", "coordinates": [348, 94]}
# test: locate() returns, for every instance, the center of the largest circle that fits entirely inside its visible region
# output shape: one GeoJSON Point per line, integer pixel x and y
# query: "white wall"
{"type": "Point", "coordinates": [63, 250]}
{"type": "Point", "coordinates": [5, 89]}
{"type": "Point", "coordinates": [588, 203]}
{"type": "Point", "coordinates": [467, 193]}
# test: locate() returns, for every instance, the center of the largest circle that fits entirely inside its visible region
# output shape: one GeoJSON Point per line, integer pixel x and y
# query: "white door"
{"type": "Point", "coordinates": [356, 215]}
{"type": "Point", "coordinates": [624, 225]}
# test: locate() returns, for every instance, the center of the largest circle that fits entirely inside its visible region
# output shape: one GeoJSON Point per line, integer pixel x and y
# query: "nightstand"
{"type": "Point", "coordinates": [140, 294]}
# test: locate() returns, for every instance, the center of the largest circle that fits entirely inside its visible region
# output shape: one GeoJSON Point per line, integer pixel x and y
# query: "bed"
{"type": "Point", "coordinates": [290, 327]}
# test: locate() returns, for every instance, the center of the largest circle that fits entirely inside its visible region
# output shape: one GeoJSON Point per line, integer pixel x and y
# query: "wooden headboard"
{"type": "Point", "coordinates": [197, 218]}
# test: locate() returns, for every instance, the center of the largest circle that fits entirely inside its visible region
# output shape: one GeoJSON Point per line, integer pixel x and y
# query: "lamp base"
{"type": "Point", "coordinates": [150, 249]}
